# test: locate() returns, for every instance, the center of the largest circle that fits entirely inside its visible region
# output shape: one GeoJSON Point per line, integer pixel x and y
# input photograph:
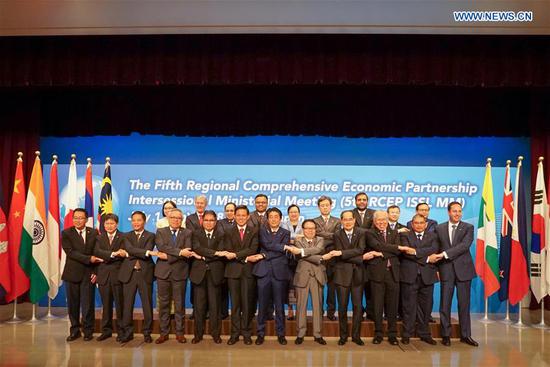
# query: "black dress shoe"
{"type": "Point", "coordinates": [393, 340]}
{"type": "Point", "coordinates": [331, 317]}
{"type": "Point", "coordinates": [232, 341]}
{"type": "Point", "coordinates": [320, 341]}
{"type": "Point", "coordinates": [103, 337]}
{"type": "Point", "coordinates": [377, 340]}
{"type": "Point", "coordinates": [259, 340]}
{"type": "Point", "coordinates": [147, 339]}
{"type": "Point", "coordinates": [469, 341]}
{"type": "Point", "coordinates": [217, 340]}
{"type": "Point", "coordinates": [429, 340]}
{"type": "Point", "coordinates": [281, 339]}
{"type": "Point", "coordinates": [126, 339]}
{"type": "Point", "coordinates": [405, 340]}
{"type": "Point", "coordinates": [196, 340]}
{"type": "Point", "coordinates": [358, 341]}
{"type": "Point", "coordinates": [247, 340]}
{"type": "Point", "coordinates": [298, 340]}
{"type": "Point", "coordinates": [446, 341]}
{"type": "Point", "coordinates": [342, 341]}
{"type": "Point", "coordinates": [118, 338]}
{"type": "Point", "coordinates": [73, 337]}
{"type": "Point", "coordinates": [88, 337]}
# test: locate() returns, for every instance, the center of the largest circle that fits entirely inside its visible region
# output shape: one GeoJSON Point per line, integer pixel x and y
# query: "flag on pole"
{"type": "Point", "coordinates": [54, 242]}
{"type": "Point", "coordinates": [89, 195]}
{"type": "Point", "coordinates": [538, 238]}
{"type": "Point", "coordinates": [19, 279]}
{"type": "Point", "coordinates": [486, 244]}
{"type": "Point", "coordinates": [70, 203]}
{"type": "Point", "coordinates": [106, 196]}
{"type": "Point", "coordinates": [519, 270]}
{"type": "Point", "coordinates": [34, 254]}
{"type": "Point", "coordinates": [5, 273]}
{"type": "Point", "coordinates": [505, 236]}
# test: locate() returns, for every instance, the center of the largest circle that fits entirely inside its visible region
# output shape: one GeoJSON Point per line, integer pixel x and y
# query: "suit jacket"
{"type": "Point", "coordinates": [255, 221]}
{"type": "Point", "coordinates": [176, 267]}
{"type": "Point", "coordinates": [376, 267]}
{"type": "Point", "coordinates": [460, 261]}
{"type": "Point", "coordinates": [248, 246]}
{"type": "Point", "coordinates": [412, 264]}
{"type": "Point", "coordinates": [136, 252]}
{"type": "Point", "coordinates": [206, 248]}
{"type": "Point", "coordinates": [272, 247]}
{"type": "Point", "coordinates": [398, 226]}
{"type": "Point", "coordinates": [225, 225]}
{"type": "Point", "coordinates": [108, 270]}
{"type": "Point", "coordinates": [78, 266]}
{"type": "Point", "coordinates": [308, 265]}
{"type": "Point", "coordinates": [192, 222]}
{"type": "Point", "coordinates": [366, 223]}
{"type": "Point", "coordinates": [430, 227]}
{"type": "Point", "coordinates": [348, 268]}
{"type": "Point", "coordinates": [326, 231]}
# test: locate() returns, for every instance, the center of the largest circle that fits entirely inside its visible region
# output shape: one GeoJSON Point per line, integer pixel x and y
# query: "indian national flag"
{"type": "Point", "coordinates": [486, 246]}
{"type": "Point", "coordinates": [34, 254]}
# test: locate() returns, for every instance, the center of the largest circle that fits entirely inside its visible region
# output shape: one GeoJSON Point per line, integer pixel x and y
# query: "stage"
{"type": "Point", "coordinates": [43, 344]}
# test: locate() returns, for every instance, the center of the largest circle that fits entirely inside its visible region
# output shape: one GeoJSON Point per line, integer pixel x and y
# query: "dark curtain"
{"type": "Point", "coordinates": [497, 61]}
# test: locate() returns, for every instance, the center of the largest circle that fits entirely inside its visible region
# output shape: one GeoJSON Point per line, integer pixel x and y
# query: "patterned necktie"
{"type": "Point", "coordinates": [174, 235]}
{"type": "Point", "coordinates": [110, 240]}
{"type": "Point", "coordinates": [383, 233]}
{"type": "Point", "coordinates": [200, 219]}
{"type": "Point", "coordinates": [349, 236]}
{"type": "Point", "coordinates": [241, 233]}
{"type": "Point", "coordinates": [419, 237]}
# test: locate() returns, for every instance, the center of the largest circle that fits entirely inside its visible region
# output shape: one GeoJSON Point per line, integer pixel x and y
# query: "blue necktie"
{"type": "Point", "coordinates": [174, 235]}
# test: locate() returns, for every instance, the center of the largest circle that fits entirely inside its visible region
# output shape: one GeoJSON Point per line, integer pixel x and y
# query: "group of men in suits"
{"type": "Point", "coordinates": [363, 253]}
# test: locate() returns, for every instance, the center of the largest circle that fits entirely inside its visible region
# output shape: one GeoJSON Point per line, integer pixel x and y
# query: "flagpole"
{"type": "Point", "coordinates": [50, 315]}
{"type": "Point", "coordinates": [486, 319]}
{"type": "Point", "coordinates": [14, 319]}
{"type": "Point", "coordinates": [507, 319]}
{"type": "Point", "coordinates": [34, 319]}
{"type": "Point", "coordinates": [541, 324]}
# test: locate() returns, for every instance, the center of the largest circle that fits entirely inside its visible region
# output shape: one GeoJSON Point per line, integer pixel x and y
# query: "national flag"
{"type": "Point", "coordinates": [538, 238]}
{"type": "Point", "coordinates": [5, 273]}
{"type": "Point", "coordinates": [70, 203]}
{"type": "Point", "coordinates": [106, 196]}
{"type": "Point", "coordinates": [486, 245]}
{"type": "Point", "coordinates": [505, 236]}
{"type": "Point", "coordinates": [519, 270]}
{"type": "Point", "coordinates": [89, 195]}
{"type": "Point", "coordinates": [19, 279]}
{"type": "Point", "coordinates": [54, 242]}
{"type": "Point", "coordinates": [34, 254]}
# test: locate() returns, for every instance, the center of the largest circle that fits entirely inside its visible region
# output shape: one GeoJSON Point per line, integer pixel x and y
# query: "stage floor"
{"type": "Point", "coordinates": [43, 344]}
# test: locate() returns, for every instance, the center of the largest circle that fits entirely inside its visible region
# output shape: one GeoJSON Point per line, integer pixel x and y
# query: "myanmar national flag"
{"type": "Point", "coordinates": [486, 246]}
{"type": "Point", "coordinates": [34, 253]}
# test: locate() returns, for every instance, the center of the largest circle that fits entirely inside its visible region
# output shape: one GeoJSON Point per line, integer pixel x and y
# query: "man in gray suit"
{"type": "Point", "coordinates": [172, 273]}
{"type": "Point", "coordinates": [309, 278]}
{"type": "Point", "coordinates": [325, 226]}
{"type": "Point", "coordinates": [456, 269]}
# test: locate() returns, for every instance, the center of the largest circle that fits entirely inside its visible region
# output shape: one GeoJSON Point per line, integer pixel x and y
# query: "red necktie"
{"type": "Point", "coordinates": [241, 232]}
{"type": "Point", "coordinates": [200, 219]}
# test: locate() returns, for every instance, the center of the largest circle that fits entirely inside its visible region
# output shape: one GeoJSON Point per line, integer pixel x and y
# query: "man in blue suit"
{"type": "Point", "coordinates": [273, 274]}
{"type": "Point", "coordinates": [456, 270]}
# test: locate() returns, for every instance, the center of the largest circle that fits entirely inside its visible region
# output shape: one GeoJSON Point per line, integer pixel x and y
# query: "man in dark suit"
{"type": "Point", "coordinates": [383, 275]}
{"type": "Point", "coordinates": [363, 220]}
{"type": "Point", "coordinates": [172, 273]}
{"type": "Point", "coordinates": [241, 241]}
{"type": "Point", "coordinates": [273, 273]}
{"type": "Point", "coordinates": [79, 276]}
{"type": "Point", "coordinates": [424, 210]}
{"type": "Point", "coordinates": [136, 274]}
{"type": "Point", "coordinates": [194, 221]}
{"type": "Point", "coordinates": [325, 226]}
{"type": "Point", "coordinates": [207, 275]}
{"type": "Point", "coordinates": [259, 216]}
{"type": "Point", "coordinates": [349, 245]}
{"type": "Point", "coordinates": [456, 269]}
{"type": "Point", "coordinates": [110, 247]}
{"type": "Point", "coordinates": [417, 278]}
{"type": "Point", "coordinates": [226, 224]}
{"type": "Point", "coordinates": [393, 219]}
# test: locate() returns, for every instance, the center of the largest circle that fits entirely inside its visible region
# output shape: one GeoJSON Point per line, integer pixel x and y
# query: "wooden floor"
{"type": "Point", "coordinates": [43, 344]}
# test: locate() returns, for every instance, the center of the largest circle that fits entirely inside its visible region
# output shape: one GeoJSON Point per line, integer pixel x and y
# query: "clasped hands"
{"type": "Point", "coordinates": [433, 258]}
{"type": "Point", "coordinates": [406, 249]}
{"type": "Point", "coordinates": [293, 250]}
